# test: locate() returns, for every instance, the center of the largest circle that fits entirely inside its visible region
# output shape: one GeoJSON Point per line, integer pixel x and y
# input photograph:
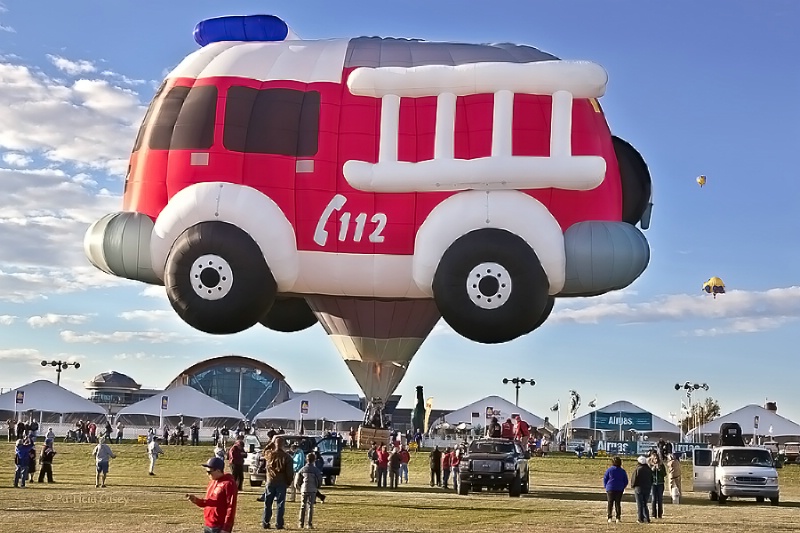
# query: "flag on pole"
{"type": "Point", "coordinates": [593, 403]}
{"type": "Point", "coordinates": [555, 407]}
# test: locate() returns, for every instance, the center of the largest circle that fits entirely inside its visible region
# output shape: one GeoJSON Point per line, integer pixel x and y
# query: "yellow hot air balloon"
{"type": "Point", "coordinates": [714, 286]}
{"type": "Point", "coordinates": [701, 180]}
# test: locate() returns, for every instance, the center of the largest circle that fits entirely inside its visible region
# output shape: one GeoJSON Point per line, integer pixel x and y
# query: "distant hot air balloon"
{"type": "Point", "coordinates": [714, 286]}
{"type": "Point", "coordinates": [701, 180]}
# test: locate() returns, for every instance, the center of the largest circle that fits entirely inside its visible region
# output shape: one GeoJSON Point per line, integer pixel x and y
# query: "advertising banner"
{"type": "Point", "coordinates": [621, 420]}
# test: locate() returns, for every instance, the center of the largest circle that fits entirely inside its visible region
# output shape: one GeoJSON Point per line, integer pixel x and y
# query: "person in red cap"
{"type": "Point", "coordinates": [219, 505]}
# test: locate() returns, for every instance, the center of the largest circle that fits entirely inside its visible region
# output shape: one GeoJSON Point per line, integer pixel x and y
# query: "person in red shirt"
{"type": "Point", "coordinates": [405, 457]}
{"type": "Point", "coordinates": [383, 465]}
{"type": "Point", "coordinates": [507, 431]}
{"type": "Point", "coordinates": [447, 457]}
{"type": "Point", "coordinates": [522, 432]}
{"type": "Point", "coordinates": [236, 455]}
{"type": "Point", "coordinates": [455, 462]}
{"type": "Point", "coordinates": [219, 505]}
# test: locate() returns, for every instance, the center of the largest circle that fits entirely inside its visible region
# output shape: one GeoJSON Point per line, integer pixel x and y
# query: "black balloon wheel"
{"type": "Point", "coordinates": [490, 286]}
{"type": "Point", "coordinates": [217, 279]}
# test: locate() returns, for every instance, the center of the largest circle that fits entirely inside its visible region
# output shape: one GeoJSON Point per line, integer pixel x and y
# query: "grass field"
{"type": "Point", "coordinates": [566, 495]}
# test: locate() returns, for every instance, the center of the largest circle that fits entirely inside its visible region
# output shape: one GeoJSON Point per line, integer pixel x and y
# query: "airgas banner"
{"type": "Point", "coordinates": [621, 420]}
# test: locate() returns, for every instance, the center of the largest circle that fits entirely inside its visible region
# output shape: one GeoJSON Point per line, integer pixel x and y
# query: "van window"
{"type": "Point", "coordinates": [272, 121]}
{"type": "Point", "coordinates": [185, 120]}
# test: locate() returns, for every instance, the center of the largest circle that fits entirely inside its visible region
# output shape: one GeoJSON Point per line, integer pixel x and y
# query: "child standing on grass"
{"type": "Point", "coordinates": [308, 479]}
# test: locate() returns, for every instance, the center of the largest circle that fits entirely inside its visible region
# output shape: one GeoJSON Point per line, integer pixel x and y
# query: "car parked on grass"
{"type": "Point", "coordinates": [330, 448]}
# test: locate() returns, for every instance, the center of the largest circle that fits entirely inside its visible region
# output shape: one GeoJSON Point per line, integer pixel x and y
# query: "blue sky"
{"type": "Point", "coordinates": [699, 88]}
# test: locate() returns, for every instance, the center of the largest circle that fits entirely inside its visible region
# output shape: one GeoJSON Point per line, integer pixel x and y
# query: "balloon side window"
{"type": "Point", "coordinates": [182, 120]}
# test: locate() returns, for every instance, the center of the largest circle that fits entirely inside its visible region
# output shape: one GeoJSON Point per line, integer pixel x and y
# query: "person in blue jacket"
{"type": "Point", "coordinates": [21, 459]}
{"type": "Point", "coordinates": [615, 480]}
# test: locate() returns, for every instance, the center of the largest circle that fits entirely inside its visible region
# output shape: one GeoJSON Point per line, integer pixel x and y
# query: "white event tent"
{"type": "Point", "coordinates": [620, 413]}
{"type": "Point", "coordinates": [500, 408]}
{"type": "Point", "coordinates": [309, 408]}
{"type": "Point", "coordinates": [770, 423]}
{"type": "Point", "coordinates": [182, 402]}
{"type": "Point", "coordinates": [51, 403]}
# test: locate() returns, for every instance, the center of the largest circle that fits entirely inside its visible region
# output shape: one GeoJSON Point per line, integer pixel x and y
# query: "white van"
{"type": "Point", "coordinates": [736, 471]}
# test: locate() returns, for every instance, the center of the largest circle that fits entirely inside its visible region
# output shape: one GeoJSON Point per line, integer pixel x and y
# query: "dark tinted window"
{"type": "Point", "coordinates": [477, 446]}
{"type": "Point", "coordinates": [185, 119]}
{"type": "Point", "coordinates": [147, 118]}
{"type": "Point", "coordinates": [272, 121]}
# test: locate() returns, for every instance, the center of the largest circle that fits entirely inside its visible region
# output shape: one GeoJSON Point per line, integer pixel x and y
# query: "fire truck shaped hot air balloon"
{"type": "Point", "coordinates": [375, 185]}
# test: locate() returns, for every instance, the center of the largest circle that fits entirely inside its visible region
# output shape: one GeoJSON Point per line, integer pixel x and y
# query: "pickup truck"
{"type": "Point", "coordinates": [495, 464]}
{"type": "Point", "coordinates": [791, 452]}
{"type": "Point", "coordinates": [736, 471]}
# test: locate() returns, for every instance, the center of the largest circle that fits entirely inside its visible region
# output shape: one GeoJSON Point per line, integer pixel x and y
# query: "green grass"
{"type": "Point", "coordinates": [566, 495]}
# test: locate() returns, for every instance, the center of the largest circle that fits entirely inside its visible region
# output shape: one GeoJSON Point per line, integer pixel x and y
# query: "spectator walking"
{"type": "Point", "coordinates": [394, 468]}
{"type": "Point", "coordinates": [219, 505]}
{"type": "Point", "coordinates": [674, 476]}
{"type": "Point", "coordinates": [194, 431]}
{"type": "Point", "coordinates": [21, 455]}
{"type": "Point", "coordinates": [382, 465]}
{"type": "Point", "coordinates": [33, 430]}
{"type": "Point", "coordinates": [32, 461]}
{"type": "Point", "coordinates": [120, 430]}
{"type": "Point", "coordinates": [298, 462]}
{"type": "Point", "coordinates": [405, 457]}
{"type": "Point", "coordinates": [659, 477]}
{"type": "Point", "coordinates": [236, 455]}
{"type": "Point", "coordinates": [279, 477]}
{"type": "Point", "coordinates": [455, 462]}
{"type": "Point", "coordinates": [446, 465]}
{"type": "Point", "coordinates": [308, 479]}
{"type": "Point", "coordinates": [46, 460]}
{"type": "Point", "coordinates": [353, 438]}
{"type": "Point", "coordinates": [319, 462]}
{"type": "Point", "coordinates": [92, 427]}
{"type": "Point", "coordinates": [435, 458]}
{"type": "Point", "coordinates": [20, 429]}
{"type": "Point", "coordinates": [153, 451]}
{"type": "Point", "coordinates": [642, 485]}
{"type": "Point", "coordinates": [372, 454]}
{"type": "Point", "coordinates": [50, 435]}
{"type": "Point", "coordinates": [614, 481]}
{"type": "Point", "coordinates": [102, 454]}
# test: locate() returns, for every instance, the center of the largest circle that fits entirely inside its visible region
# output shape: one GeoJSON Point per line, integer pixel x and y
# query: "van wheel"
{"type": "Point", "coordinates": [526, 485]}
{"type": "Point", "coordinates": [721, 498]}
{"type": "Point", "coordinates": [289, 315]}
{"type": "Point", "coordinates": [490, 286]}
{"type": "Point", "coordinates": [759, 499]}
{"type": "Point", "coordinates": [463, 489]}
{"type": "Point", "coordinates": [515, 488]}
{"type": "Point", "coordinates": [217, 279]}
{"type": "Point", "coordinates": [775, 501]}
{"type": "Point", "coordinates": [713, 496]}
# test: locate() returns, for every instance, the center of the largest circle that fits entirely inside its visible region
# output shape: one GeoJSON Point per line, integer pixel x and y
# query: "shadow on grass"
{"type": "Point", "coordinates": [584, 495]}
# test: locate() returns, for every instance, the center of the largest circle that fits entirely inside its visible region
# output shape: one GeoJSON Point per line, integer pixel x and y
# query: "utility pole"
{"type": "Point", "coordinates": [517, 382]}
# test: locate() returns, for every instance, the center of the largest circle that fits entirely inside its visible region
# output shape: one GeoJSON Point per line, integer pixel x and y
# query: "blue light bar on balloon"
{"type": "Point", "coordinates": [250, 28]}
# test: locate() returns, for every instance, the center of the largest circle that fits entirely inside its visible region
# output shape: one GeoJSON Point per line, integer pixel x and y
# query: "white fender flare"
{"type": "Point", "coordinates": [513, 211]}
{"type": "Point", "coordinates": [239, 205]}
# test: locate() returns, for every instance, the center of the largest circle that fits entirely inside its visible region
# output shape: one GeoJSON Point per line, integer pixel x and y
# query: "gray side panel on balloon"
{"type": "Point", "coordinates": [126, 246]}
{"type": "Point", "coordinates": [603, 256]}
{"type": "Point", "coordinates": [377, 52]}
{"type": "Point", "coordinates": [378, 319]}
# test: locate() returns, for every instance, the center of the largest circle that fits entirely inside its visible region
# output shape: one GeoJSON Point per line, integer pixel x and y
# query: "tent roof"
{"type": "Point", "coordinates": [659, 424]}
{"type": "Point", "coordinates": [46, 396]}
{"type": "Point", "coordinates": [183, 400]}
{"type": "Point", "coordinates": [320, 405]}
{"type": "Point", "coordinates": [497, 403]}
{"type": "Point", "coordinates": [781, 426]}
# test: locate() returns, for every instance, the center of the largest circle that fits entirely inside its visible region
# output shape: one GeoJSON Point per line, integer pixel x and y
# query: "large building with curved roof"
{"type": "Point", "coordinates": [114, 390]}
{"type": "Point", "coordinates": [246, 384]}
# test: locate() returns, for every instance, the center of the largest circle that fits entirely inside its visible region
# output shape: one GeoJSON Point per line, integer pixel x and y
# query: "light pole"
{"type": "Point", "coordinates": [690, 388]}
{"type": "Point", "coordinates": [60, 365]}
{"type": "Point", "coordinates": [517, 382]}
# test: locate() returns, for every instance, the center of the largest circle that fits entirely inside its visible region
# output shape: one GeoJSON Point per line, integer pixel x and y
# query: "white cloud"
{"type": "Point", "coordinates": [155, 337]}
{"type": "Point", "coordinates": [90, 123]}
{"type": "Point", "coordinates": [8, 29]}
{"type": "Point", "coordinates": [17, 160]}
{"type": "Point", "coordinates": [154, 291]}
{"type": "Point", "coordinates": [122, 78]}
{"type": "Point", "coordinates": [19, 354]}
{"type": "Point", "coordinates": [50, 319]}
{"type": "Point", "coordinates": [744, 311]}
{"type": "Point", "coordinates": [7, 320]}
{"type": "Point", "coordinates": [140, 356]}
{"type": "Point", "coordinates": [72, 67]}
{"type": "Point", "coordinates": [150, 315]}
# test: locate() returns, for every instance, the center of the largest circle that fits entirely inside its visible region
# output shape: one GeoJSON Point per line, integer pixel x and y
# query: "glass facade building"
{"type": "Point", "coordinates": [246, 384]}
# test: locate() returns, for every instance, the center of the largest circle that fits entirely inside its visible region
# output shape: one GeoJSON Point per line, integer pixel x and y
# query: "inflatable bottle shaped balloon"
{"type": "Point", "coordinates": [375, 185]}
{"type": "Point", "coordinates": [418, 413]}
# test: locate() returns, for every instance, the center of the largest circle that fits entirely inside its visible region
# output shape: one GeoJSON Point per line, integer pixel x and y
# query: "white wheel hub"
{"type": "Point", "coordinates": [489, 285]}
{"type": "Point", "coordinates": [211, 277]}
